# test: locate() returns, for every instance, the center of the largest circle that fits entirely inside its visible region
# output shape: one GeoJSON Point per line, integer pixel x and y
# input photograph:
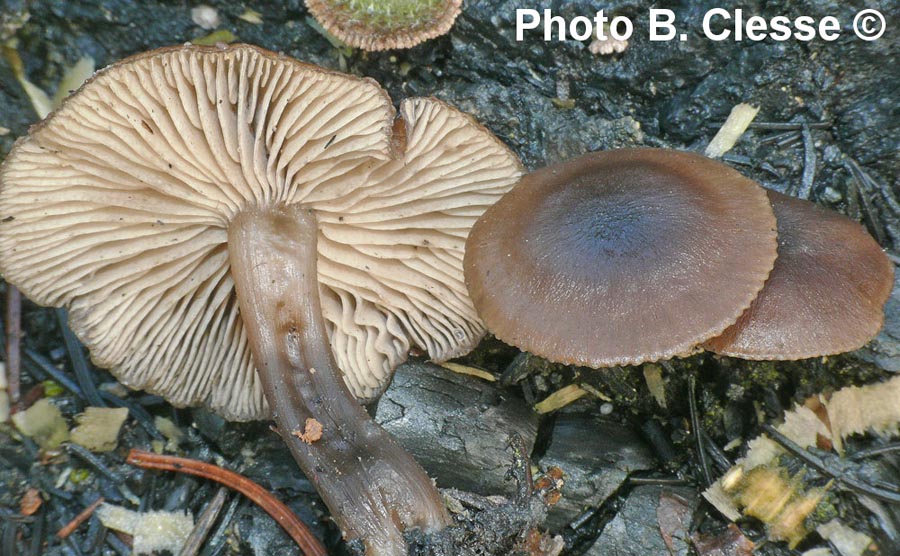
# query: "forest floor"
{"type": "Point", "coordinates": [827, 130]}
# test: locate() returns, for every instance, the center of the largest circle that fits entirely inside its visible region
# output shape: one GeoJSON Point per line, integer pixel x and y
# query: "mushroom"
{"type": "Point", "coordinates": [386, 24]}
{"type": "Point", "coordinates": [621, 257]}
{"type": "Point", "coordinates": [826, 293]}
{"type": "Point", "coordinates": [231, 227]}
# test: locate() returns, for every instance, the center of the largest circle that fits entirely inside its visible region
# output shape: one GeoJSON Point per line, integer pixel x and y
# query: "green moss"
{"type": "Point", "coordinates": [391, 14]}
{"type": "Point", "coordinates": [760, 373]}
{"type": "Point", "coordinates": [713, 414]}
{"type": "Point", "coordinates": [52, 388]}
{"type": "Point", "coordinates": [79, 476]}
{"type": "Point", "coordinates": [216, 37]}
{"type": "Point", "coordinates": [825, 511]}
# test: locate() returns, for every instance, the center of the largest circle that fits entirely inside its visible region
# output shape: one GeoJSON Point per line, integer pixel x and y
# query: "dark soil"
{"type": "Point", "coordinates": [836, 142]}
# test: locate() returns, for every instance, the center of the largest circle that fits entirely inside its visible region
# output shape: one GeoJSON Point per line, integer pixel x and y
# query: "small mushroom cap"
{"type": "Point", "coordinates": [621, 257]}
{"type": "Point", "coordinates": [826, 293]}
{"type": "Point", "coordinates": [385, 24]}
{"type": "Point", "coordinates": [118, 205]}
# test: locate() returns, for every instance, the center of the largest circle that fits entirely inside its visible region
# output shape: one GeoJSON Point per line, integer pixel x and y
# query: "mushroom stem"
{"type": "Point", "coordinates": [372, 486]}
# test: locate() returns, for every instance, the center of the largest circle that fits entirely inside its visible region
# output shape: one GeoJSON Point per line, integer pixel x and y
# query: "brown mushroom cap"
{"type": "Point", "coordinates": [621, 257]}
{"type": "Point", "coordinates": [118, 206]}
{"type": "Point", "coordinates": [385, 24]}
{"type": "Point", "coordinates": [826, 293]}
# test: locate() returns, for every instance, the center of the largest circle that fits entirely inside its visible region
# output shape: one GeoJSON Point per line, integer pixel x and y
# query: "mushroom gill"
{"type": "Point", "coordinates": [157, 204]}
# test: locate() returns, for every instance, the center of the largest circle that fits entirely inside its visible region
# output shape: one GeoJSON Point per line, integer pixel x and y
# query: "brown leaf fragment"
{"type": "Point", "coordinates": [311, 432]}
{"type": "Point", "coordinates": [673, 513]}
{"type": "Point", "coordinates": [730, 542]}
{"type": "Point", "coordinates": [824, 443]}
{"type": "Point", "coordinates": [31, 501]}
{"type": "Point", "coordinates": [817, 405]}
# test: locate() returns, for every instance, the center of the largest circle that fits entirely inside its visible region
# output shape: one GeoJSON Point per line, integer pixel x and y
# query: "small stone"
{"type": "Point", "coordinates": [592, 470]}
{"type": "Point", "coordinates": [831, 195]}
{"type": "Point", "coordinates": [607, 46]}
{"type": "Point", "coordinates": [205, 17]}
{"type": "Point", "coordinates": [654, 520]}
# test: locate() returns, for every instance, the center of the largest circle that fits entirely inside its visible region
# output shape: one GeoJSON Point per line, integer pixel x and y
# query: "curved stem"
{"type": "Point", "coordinates": [374, 489]}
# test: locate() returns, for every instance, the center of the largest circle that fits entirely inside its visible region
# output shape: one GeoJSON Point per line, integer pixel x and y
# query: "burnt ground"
{"type": "Point", "coordinates": [835, 141]}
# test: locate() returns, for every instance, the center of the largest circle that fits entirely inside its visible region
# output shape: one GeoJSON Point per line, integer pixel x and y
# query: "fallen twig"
{"type": "Point", "coordinates": [94, 462]}
{"type": "Point", "coordinates": [809, 163]}
{"type": "Point", "coordinates": [782, 126]}
{"type": "Point", "coordinates": [698, 437]}
{"type": "Point", "coordinates": [204, 524]}
{"type": "Point", "coordinates": [637, 480]}
{"type": "Point", "coordinates": [782, 139]}
{"type": "Point", "coordinates": [76, 522]}
{"type": "Point", "coordinates": [298, 531]}
{"type": "Point", "coordinates": [865, 185]}
{"type": "Point", "coordinates": [79, 363]}
{"type": "Point", "coordinates": [45, 369]}
{"type": "Point", "coordinates": [717, 454]}
{"type": "Point", "coordinates": [521, 467]}
{"type": "Point", "coordinates": [13, 345]}
{"type": "Point", "coordinates": [823, 467]}
{"type": "Point", "coordinates": [877, 450]}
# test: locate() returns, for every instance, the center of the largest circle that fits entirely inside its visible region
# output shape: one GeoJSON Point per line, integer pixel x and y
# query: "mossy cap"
{"type": "Point", "coordinates": [825, 295]}
{"type": "Point", "coordinates": [385, 24]}
{"type": "Point", "coordinates": [118, 205]}
{"type": "Point", "coordinates": [621, 257]}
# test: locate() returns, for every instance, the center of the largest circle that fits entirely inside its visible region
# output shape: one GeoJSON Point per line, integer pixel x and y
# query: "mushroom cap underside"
{"type": "Point", "coordinates": [117, 206]}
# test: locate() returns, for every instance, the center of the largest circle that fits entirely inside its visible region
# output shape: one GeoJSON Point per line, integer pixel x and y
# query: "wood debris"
{"type": "Point", "coordinates": [98, 428]}
{"type": "Point", "coordinates": [44, 423]}
{"type": "Point", "coordinates": [847, 541]}
{"type": "Point", "coordinates": [152, 531]}
{"type": "Point", "coordinates": [738, 121]}
{"type": "Point", "coordinates": [467, 370]}
{"type": "Point", "coordinates": [656, 384]}
{"type": "Point", "coordinates": [759, 487]}
{"type": "Point", "coordinates": [560, 398]}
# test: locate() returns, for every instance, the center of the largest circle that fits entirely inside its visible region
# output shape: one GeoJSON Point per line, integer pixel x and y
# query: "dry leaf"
{"type": "Point", "coordinates": [31, 501]}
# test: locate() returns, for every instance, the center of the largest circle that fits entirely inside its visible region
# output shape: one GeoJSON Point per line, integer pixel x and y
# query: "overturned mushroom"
{"type": "Point", "coordinates": [621, 257]}
{"type": "Point", "coordinates": [826, 293]}
{"type": "Point", "coordinates": [233, 228]}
